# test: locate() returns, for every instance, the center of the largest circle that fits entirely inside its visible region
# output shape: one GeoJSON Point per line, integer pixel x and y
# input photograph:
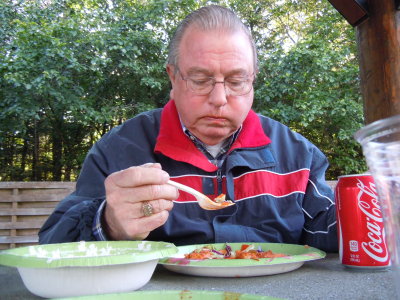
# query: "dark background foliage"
{"type": "Point", "coordinates": [71, 70]}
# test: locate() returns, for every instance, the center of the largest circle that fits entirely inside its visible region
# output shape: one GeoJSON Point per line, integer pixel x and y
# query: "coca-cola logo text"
{"type": "Point", "coordinates": [368, 203]}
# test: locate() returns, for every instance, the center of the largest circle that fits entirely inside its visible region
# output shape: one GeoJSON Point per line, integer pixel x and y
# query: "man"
{"type": "Point", "coordinates": [206, 137]}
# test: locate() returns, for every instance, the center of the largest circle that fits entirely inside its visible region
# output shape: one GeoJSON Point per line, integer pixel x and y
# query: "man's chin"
{"type": "Point", "coordinates": [212, 137]}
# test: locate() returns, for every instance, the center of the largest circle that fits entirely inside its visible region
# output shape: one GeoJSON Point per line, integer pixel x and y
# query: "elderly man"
{"type": "Point", "coordinates": [206, 137]}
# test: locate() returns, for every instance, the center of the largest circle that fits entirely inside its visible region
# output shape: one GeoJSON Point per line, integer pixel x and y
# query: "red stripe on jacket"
{"type": "Point", "coordinates": [262, 182]}
{"type": "Point", "coordinates": [252, 184]}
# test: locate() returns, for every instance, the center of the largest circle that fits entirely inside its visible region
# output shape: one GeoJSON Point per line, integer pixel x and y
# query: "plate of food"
{"type": "Point", "coordinates": [240, 259]}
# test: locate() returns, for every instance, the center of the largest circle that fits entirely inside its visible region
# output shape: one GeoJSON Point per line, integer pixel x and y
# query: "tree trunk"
{"type": "Point", "coordinates": [36, 174]}
{"type": "Point", "coordinates": [67, 174]}
{"type": "Point", "coordinates": [10, 156]}
{"type": "Point", "coordinates": [57, 151]}
{"type": "Point", "coordinates": [24, 156]}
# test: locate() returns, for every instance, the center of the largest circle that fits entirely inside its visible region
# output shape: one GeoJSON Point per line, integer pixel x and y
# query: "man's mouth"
{"type": "Point", "coordinates": [213, 119]}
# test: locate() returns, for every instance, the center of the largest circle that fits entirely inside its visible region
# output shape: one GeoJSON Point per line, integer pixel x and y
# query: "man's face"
{"type": "Point", "coordinates": [215, 116]}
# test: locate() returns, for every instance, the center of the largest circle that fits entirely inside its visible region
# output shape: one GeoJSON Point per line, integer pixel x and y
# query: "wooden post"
{"type": "Point", "coordinates": [378, 40]}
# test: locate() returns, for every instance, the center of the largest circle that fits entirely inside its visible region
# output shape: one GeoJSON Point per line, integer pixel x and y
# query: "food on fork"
{"type": "Point", "coordinates": [220, 199]}
{"type": "Point", "coordinates": [203, 200]}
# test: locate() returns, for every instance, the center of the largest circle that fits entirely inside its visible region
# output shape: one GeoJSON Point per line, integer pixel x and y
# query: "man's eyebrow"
{"type": "Point", "coordinates": [198, 70]}
{"type": "Point", "coordinates": [238, 72]}
{"type": "Point", "coordinates": [202, 71]}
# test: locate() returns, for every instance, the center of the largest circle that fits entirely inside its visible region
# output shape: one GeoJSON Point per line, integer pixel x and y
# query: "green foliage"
{"type": "Point", "coordinates": [312, 85]}
{"type": "Point", "coordinates": [78, 69]}
{"type": "Point", "coordinates": [71, 70]}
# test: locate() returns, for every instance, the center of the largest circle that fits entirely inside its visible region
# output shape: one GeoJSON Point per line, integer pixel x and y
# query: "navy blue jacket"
{"type": "Point", "coordinates": [275, 176]}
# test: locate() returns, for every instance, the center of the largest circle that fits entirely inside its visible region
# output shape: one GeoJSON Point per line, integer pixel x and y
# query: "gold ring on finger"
{"type": "Point", "coordinates": [147, 209]}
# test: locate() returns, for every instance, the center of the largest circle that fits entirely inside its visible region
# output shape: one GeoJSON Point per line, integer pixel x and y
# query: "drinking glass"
{"type": "Point", "coordinates": [380, 143]}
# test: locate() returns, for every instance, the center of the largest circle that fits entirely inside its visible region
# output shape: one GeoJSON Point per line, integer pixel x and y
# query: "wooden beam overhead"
{"type": "Point", "coordinates": [354, 11]}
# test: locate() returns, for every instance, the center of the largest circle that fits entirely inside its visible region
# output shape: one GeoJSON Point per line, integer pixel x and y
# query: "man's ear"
{"type": "Point", "coordinates": [171, 73]}
{"type": "Point", "coordinates": [172, 76]}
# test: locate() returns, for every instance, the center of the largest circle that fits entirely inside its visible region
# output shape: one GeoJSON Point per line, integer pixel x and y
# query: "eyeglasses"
{"type": "Point", "coordinates": [234, 86]}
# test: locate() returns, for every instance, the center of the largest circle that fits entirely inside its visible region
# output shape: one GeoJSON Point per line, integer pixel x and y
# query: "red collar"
{"type": "Point", "coordinates": [174, 143]}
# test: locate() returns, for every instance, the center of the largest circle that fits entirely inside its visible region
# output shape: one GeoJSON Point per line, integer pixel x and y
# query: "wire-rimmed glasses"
{"type": "Point", "coordinates": [234, 86]}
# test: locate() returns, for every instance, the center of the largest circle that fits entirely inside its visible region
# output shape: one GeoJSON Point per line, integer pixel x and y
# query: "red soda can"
{"type": "Point", "coordinates": [361, 233]}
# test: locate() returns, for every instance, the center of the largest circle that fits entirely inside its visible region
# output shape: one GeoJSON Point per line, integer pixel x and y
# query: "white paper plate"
{"type": "Point", "coordinates": [296, 256]}
{"type": "Point", "coordinates": [85, 254]}
{"type": "Point", "coordinates": [86, 268]}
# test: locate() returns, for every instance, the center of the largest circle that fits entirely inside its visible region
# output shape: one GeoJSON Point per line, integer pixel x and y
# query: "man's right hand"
{"type": "Point", "coordinates": [126, 193]}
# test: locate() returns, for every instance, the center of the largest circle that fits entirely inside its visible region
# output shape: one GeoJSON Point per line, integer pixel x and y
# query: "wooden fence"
{"type": "Point", "coordinates": [25, 206]}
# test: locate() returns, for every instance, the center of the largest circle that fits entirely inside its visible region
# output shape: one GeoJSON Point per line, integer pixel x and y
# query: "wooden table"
{"type": "Point", "coordinates": [321, 279]}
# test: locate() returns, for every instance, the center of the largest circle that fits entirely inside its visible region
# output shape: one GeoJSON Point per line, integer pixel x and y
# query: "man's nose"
{"type": "Point", "coordinates": [218, 96]}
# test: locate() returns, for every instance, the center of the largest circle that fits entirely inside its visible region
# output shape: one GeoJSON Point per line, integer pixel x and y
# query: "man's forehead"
{"type": "Point", "coordinates": [200, 49]}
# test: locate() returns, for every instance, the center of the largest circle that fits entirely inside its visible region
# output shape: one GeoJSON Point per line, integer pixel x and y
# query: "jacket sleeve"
{"type": "Point", "coordinates": [319, 208]}
{"type": "Point", "coordinates": [72, 219]}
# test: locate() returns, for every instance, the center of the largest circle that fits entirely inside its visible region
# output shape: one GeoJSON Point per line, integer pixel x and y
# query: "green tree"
{"type": "Point", "coordinates": [77, 68]}
{"type": "Point", "coordinates": [309, 80]}
{"type": "Point", "coordinates": [71, 70]}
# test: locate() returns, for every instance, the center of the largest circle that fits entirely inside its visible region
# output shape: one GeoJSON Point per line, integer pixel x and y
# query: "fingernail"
{"type": "Point", "coordinates": [165, 175]}
{"type": "Point", "coordinates": [147, 164]}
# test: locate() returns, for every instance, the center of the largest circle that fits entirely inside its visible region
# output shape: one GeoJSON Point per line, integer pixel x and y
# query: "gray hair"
{"type": "Point", "coordinates": [209, 18]}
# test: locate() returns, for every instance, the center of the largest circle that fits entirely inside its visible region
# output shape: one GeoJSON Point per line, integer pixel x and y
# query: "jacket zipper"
{"type": "Point", "coordinates": [219, 181]}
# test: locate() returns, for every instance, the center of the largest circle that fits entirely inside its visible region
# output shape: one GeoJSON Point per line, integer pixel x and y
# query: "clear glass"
{"type": "Point", "coordinates": [380, 142]}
